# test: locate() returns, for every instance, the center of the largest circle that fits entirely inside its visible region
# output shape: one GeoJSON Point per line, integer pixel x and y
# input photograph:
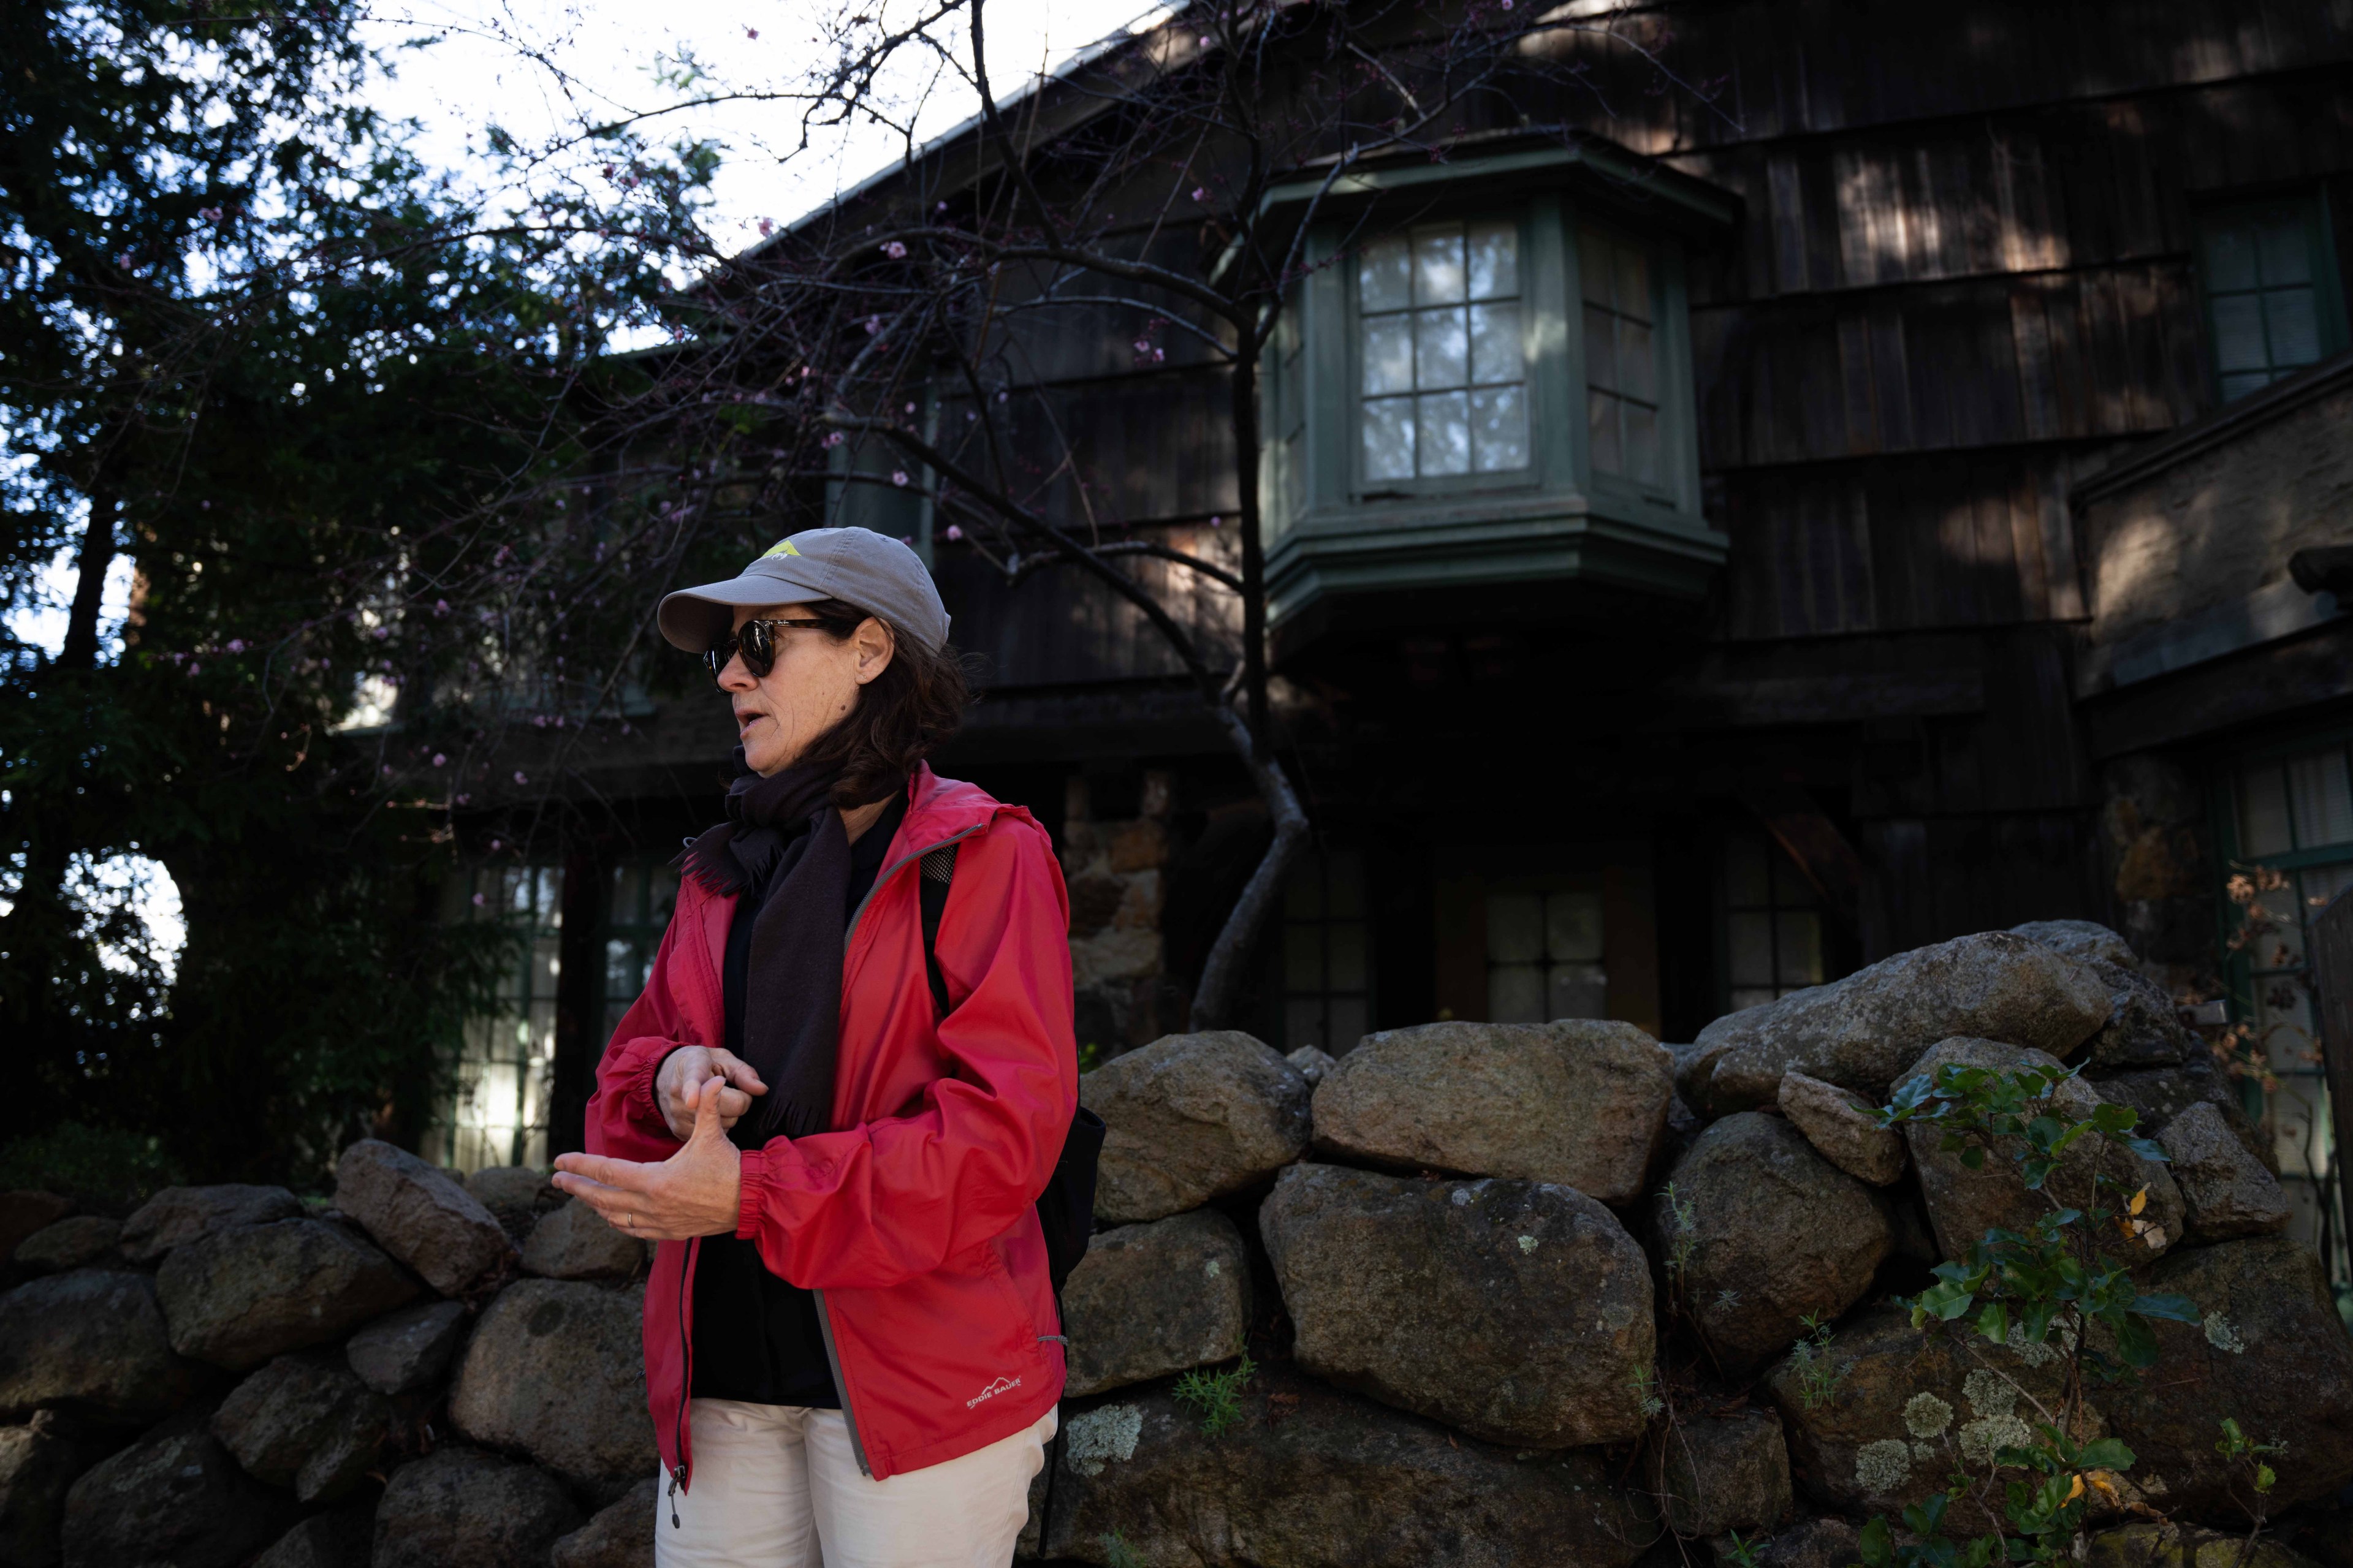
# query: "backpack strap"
{"type": "Point", "coordinates": [938, 870]}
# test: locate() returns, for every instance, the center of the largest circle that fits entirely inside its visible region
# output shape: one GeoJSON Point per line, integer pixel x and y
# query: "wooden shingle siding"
{"type": "Point", "coordinates": [1953, 541]}
{"type": "Point", "coordinates": [1061, 627]}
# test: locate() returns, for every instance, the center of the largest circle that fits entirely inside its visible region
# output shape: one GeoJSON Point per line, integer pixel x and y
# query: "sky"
{"type": "Point", "coordinates": [483, 68]}
{"type": "Point", "coordinates": [537, 68]}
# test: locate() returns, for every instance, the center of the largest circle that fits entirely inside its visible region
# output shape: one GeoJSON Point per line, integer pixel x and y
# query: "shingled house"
{"type": "Point", "coordinates": [1921, 526]}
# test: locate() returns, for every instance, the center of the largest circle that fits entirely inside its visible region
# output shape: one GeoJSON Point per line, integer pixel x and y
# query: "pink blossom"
{"type": "Point", "coordinates": [387, 770]}
{"type": "Point", "coordinates": [237, 645]}
{"type": "Point", "coordinates": [899, 476]}
{"type": "Point", "coordinates": [464, 798]}
{"type": "Point", "coordinates": [199, 668]}
{"type": "Point", "coordinates": [767, 228]}
{"type": "Point", "coordinates": [478, 899]}
{"type": "Point", "coordinates": [955, 532]}
{"type": "Point", "coordinates": [1158, 355]}
{"type": "Point", "coordinates": [519, 779]}
{"type": "Point", "coordinates": [896, 250]}
{"type": "Point", "coordinates": [751, 32]}
{"type": "Point", "coordinates": [1200, 193]}
{"type": "Point", "coordinates": [1143, 347]}
{"type": "Point", "coordinates": [440, 760]}
{"type": "Point", "coordinates": [440, 606]}
{"type": "Point", "coordinates": [1217, 522]}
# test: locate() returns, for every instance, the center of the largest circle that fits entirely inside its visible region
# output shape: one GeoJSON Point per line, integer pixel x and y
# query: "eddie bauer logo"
{"type": "Point", "coordinates": [1001, 1385]}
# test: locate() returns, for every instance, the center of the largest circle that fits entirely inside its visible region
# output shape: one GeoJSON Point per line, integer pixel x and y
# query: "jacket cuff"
{"type": "Point", "coordinates": [641, 1088]}
{"type": "Point", "coordinates": [752, 1168]}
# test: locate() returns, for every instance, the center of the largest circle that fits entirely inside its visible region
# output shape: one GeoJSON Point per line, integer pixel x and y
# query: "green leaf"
{"type": "Point", "coordinates": [1876, 1545]}
{"type": "Point", "coordinates": [2173, 1309]}
{"type": "Point", "coordinates": [2107, 1454]}
{"type": "Point", "coordinates": [1993, 1322]}
{"type": "Point", "coordinates": [2264, 1478]}
{"type": "Point", "coordinates": [2136, 1342]}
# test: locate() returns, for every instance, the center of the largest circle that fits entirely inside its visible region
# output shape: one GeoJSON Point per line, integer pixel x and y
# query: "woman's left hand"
{"type": "Point", "coordinates": [694, 1192]}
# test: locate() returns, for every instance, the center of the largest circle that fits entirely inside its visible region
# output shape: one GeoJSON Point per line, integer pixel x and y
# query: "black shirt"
{"type": "Point", "coordinates": [756, 1337]}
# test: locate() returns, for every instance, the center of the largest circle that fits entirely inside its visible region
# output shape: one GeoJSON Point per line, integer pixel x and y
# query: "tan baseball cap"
{"type": "Point", "coordinates": [856, 566]}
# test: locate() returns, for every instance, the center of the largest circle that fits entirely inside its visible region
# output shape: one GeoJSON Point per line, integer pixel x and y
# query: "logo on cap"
{"type": "Point", "coordinates": [782, 547]}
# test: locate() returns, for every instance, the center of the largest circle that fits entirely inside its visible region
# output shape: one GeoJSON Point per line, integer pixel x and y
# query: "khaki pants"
{"type": "Point", "coordinates": [776, 1486]}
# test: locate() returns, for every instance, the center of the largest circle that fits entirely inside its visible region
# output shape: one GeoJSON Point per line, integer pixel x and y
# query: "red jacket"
{"type": "Point", "coordinates": [913, 1221]}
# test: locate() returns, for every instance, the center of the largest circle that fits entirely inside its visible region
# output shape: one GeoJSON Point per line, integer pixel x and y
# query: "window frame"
{"type": "Point", "coordinates": [2328, 281]}
{"type": "Point", "coordinates": [1314, 477]}
{"type": "Point", "coordinates": [2223, 773]}
{"type": "Point", "coordinates": [1364, 488]}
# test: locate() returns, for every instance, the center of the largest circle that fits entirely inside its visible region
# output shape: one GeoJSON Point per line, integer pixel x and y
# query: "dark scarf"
{"type": "Point", "coordinates": [784, 843]}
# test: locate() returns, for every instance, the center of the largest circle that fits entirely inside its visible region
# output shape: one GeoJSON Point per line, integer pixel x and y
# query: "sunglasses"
{"type": "Point", "coordinates": [755, 642]}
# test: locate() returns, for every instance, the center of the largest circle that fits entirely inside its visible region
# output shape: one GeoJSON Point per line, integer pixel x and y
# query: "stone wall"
{"type": "Point", "coordinates": [1116, 871]}
{"type": "Point", "coordinates": [1510, 1295]}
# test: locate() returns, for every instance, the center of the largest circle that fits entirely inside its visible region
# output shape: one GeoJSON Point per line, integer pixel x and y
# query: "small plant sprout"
{"type": "Point", "coordinates": [1217, 1396]}
{"type": "Point", "coordinates": [1645, 1384]}
{"type": "Point", "coordinates": [1819, 1374]}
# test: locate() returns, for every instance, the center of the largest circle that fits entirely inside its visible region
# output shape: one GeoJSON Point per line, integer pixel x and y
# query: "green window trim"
{"type": "Point", "coordinates": [2270, 297]}
{"type": "Point", "coordinates": [2307, 808]}
{"type": "Point", "coordinates": [1332, 529]}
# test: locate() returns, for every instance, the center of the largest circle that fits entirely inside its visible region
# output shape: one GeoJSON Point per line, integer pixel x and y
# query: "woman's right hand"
{"type": "Point", "coordinates": [691, 1064]}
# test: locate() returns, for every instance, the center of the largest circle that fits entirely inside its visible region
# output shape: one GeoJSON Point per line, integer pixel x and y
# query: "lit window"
{"type": "Point", "coordinates": [2269, 304]}
{"type": "Point", "coordinates": [1444, 369]}
{"type": "Point", "coordinates": [1545, 957]}
{"type": "Point", "coordinates": [498, 1115]}
{"type": "Point", "coordinates": [1326, 980]}
{"type": "Point", "coordinates": [1773, 923]}
{"type": "Point", "coordinates": [1621, 372]}
{"type": "Point", "coordinates": [644, 893]}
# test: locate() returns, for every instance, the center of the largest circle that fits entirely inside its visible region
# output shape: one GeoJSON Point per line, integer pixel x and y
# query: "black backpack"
{"type": "Point", "coordinates": [1066, 1209]}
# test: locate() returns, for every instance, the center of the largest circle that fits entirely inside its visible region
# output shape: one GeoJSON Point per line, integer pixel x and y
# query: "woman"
{"type": "Point", "coordinates": [852, 1352]}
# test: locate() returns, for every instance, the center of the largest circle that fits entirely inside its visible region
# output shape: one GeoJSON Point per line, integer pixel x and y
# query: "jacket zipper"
{"type": "Point", "coordinates": [686, 1379]}
{"type": "Point", "coordinates": [824, 1309]}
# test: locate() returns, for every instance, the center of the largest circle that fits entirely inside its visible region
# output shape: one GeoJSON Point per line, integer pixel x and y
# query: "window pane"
{"type": "Point", "coordinates": [2281, 946]}
{"type": "Point", "coordinates": [1346, 942]}
{"type": "Point", "coordinates": [1579, 991]}
{"type": "Point", "coordinates": [1601, 430]}
{"type": "Point", "coordinates": [2315, 787]}
{"type": "Point", "coordinates": [1573, 927]}
{"type": "Point", "coordinates": [1600, 348]}
{"type": "Point", "coordinates": [1302, 1022]}
{"type": "Point", "coordinates": [621, 971]}
{"type": "Point", "coordinates": [1445, 421]}
{"type": "Point", "coordinates": [1384, 274]}
{"type": "Point", "coordinates": [1494, 260]}
{"type": "Point", "coordinates": [2239, 333]}
{"type": "Point", "coordinates": [1350, 1024]}
{"type": "Point", "coordinates": [1495, 353]}
{"type": "Point", "coordinates": [2286, 253]}
{"type": "Point", "coordinates": [1389, 438]}
{"type": "Point", "coordinates": [2237, 386]}
{"type": "Point", "coordinates": [1515, 994]}
{"type": "Point", "coordinates": [1514, 928]}
{"type": "Point", "coordinates": [1303, 958]}
{"type": "Point", "coordinates": [2230, 257]}
{"type": "Point", "coordinates": [1438, 273]}
{"type": "Point", "coordinates": [2294, 326]}
{"type": "Point", "coordinates": [1751, 996]}
{"type": "Point", "coordinates": [1790, 888]}
{"type": "Point", "coordinates": [2262, 813]}
{"type": "Point", "coordinates": [1499, 428]}
{"type": "Point", "coordinates": [1750, 948]}
{"type": "Point", "coordinates": [1303, 896]}
{"type": "Point", "coordinates": [1442, 348]}
{"type": "Point", "coordinates": [1798, 952]}
{"type": "Point", "coordinates": [1389, 354]}
{"type": "Point", "coordinates": [1642, 443]}
{"type": "Point", "coordinates": [1633, 282]}
{"type": "Point", "coordinates": [1595, 268]}
{"type": "Point", "coordinates": [1637, 376]}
